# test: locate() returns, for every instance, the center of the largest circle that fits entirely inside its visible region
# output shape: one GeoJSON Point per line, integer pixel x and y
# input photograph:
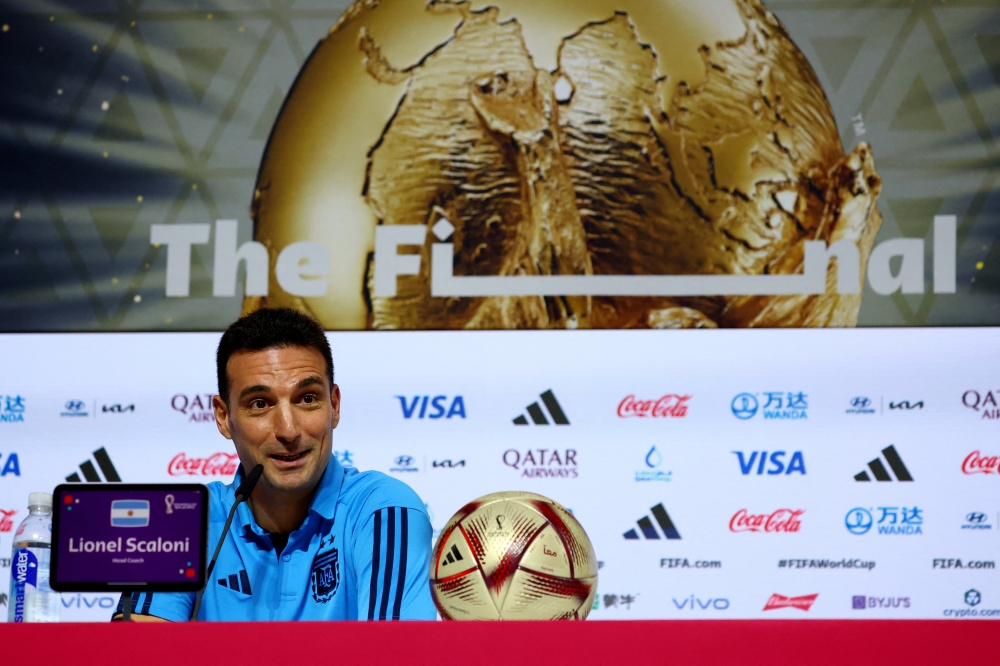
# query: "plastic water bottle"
{"type": "Point", "coordinates": [31, 599]}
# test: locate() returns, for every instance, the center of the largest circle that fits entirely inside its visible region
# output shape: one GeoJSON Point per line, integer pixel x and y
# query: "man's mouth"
{"type": "Point", "coordinates": [288, 457]}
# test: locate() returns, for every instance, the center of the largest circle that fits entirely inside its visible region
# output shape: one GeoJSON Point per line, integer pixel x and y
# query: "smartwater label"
{"type": "Point", "coordinates": [24, 576]}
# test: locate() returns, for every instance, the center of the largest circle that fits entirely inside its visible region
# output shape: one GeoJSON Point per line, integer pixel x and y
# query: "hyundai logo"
{"type": "Point", "coordinates": [404, 461]}
{"type": "Point", "coordinates": [858, 521]}
{"type": "Point", "coordinates": [975, 517]}
{"type": "Point", "coordinates": [744, 406]}
{"type": "Point", "coordinates": [860, 403]}
{"type": "Point", "coordinates": [74, 405]}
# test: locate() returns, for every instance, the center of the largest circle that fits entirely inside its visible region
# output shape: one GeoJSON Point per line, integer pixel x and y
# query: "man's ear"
{"type": "Point", "coordinates": [221, 416]}
{"type": "Point", "coordinates": [335, 404]}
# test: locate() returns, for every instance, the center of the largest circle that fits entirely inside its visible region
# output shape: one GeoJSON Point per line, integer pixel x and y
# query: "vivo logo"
{"type": "Point", "coordinates": [694, 603]}
{"type": "Point", "coordinates": [88, 601]}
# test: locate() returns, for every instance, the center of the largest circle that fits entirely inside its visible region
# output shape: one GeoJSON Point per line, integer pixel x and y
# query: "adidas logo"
{"type": "Point", "coordinates": [648, 531]}
{"type": "Point", "coordinates": [538, 416]}
{"type": "Point", "coordinates": [237, 582]}
{"type": "Point", "coordinates": [879, 470]}
{"type": "Point", "coordinates": [90, 474]}
{"type": "Point", "coordinates": [453, 556]}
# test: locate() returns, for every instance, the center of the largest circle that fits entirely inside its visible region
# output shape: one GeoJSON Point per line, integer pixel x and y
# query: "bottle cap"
{"type": "Point", "coordinates": [40, 499]}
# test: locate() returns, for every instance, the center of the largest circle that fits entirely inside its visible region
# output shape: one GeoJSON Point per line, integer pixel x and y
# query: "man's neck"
{"type": "Point", "coordinates": [282, 512]}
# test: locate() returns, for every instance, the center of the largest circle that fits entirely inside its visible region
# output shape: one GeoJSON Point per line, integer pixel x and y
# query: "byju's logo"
{"type": "Point", "coordinates": [13, 409]}
{"type": "Point", "coordinates": [542, 463]}
{"type": "Point", "coordinates": [861, 602]}
{"type": "Point", "coordinates": [782, 520]}
{"type": "Point", "coordinates": [653, 460]}
{"type": "Point", "coordinates": [803, 603]}
{"type": "Point", "coordinates": [197, 408]}
{"type": "Point", "coordinates": [74, 408]}
{"type": "Point", "coordinates": [893, 520]}
{"type": "Point", "coordinates": [758, 459]}
{"type": "Point", "coordinates": [432, 407]}
{"type": "Point", "coordinates": [538, 416]}
{"type": "Point", "coordinates": [671, 405]}
{"type": "Point", "coordinates": [906, 405]}
{"type": "Point", "coordinates": [648, 531]}
{"type": "Point", "coordinates": [404, 464]}
{"type": "Point", "coordinates": [881, 473]}
{"type": "Point", "coordinates": [117, 408]}
{"type": "Point", "coordinates": [984, 403]}
{"type": "Point", "coordinates": [777, 405]}
{"type": "Point", "coordinates": [11, 465]}
{"type": "Point", "coordinates": [977, 463]}
{"type": "Point", "coordinates": [90, 473]}
{"type": "Point", "coordinates": [860, 405]}
{"type": "Point", "coordinates": [977, 520]}
{"type": "Point", "coordinates": [694, 603]}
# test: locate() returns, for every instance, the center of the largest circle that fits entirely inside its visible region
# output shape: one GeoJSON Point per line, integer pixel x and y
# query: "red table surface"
{"type": "Point", "coordinates": [623, 643]}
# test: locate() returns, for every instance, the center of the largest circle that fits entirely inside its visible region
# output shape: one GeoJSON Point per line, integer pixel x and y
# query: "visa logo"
{"type": "Point", "coordinates": [130, 513]}
{"type": "Point", "coordinates": [436, 407]}
{"type": "Point", "coordinates": [775, 466]}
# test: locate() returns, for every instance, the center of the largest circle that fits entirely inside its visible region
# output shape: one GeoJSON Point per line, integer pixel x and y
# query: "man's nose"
{"type": "Point", "coordinates": [286, 427]}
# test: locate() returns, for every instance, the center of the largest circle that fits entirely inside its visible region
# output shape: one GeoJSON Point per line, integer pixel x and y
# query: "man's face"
{"type": "Point", "coordinates": [281, 415]}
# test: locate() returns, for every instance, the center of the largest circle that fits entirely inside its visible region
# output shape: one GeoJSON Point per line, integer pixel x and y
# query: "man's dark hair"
{"type": "Point", "coordinates": [270, 328]}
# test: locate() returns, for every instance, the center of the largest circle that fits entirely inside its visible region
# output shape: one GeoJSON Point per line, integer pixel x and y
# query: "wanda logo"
{"type": "Point", "coordinates": [671, 405]}
{"type": "Point", "coordinates": [6, 524]}
{"type": "Point", "coordinates": [803, 603]}
{"type": "Point", "coordinates": [217, 464]}
{"type": "Point", "coordinates": [977, 463]}
{"type": "Point", "coordinates": [782, 520]}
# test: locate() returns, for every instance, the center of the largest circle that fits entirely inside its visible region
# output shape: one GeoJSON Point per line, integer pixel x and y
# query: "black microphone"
{"type": "Point", "coordinates": [242, 495]}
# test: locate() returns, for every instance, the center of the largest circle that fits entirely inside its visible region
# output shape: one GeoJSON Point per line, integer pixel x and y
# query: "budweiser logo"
{"type": "Point", "coordinates": [6, 524]}
{"type": "Point", "coordinates": [671, 405]}
{"type": "Point", "coordinates": [977, 463]}
{"type": "Point", "coordinates": [803, 603]}
{"type": "Point", "coordinates": [217, 464]}
{"type": "Point", "coordinates": [782, 520]}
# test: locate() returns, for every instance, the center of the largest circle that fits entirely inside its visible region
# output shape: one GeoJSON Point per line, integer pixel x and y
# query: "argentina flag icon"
{"type": "Point", "coordinates": [130, 513]}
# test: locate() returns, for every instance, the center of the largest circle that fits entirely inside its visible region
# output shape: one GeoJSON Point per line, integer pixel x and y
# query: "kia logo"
{"type": "Point", "coordinates": [860, 403]}
{"type": "Point", "coordinates": [975, 517]}
{"type": "Point", "coordinates": [117, 409]}
{"type": "Point", "coordinates": [404, 461]}
{"type": "Point", "coordinates": [74, 405]}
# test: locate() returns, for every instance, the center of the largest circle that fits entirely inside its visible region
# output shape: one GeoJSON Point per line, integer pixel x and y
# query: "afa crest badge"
{"type": "Point", "coordinates": [325, 572]}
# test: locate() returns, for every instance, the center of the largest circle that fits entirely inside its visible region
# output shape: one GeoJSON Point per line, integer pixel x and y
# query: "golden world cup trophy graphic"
{"type": "Point", "coordinates": [576, 164]}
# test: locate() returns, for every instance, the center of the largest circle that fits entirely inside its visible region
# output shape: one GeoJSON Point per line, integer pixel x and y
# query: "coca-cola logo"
{"type": "Point", "coordinates": [977, 463]}
{"type": "Point", "coordinates": [782, 520]}
{"type": "Point", "coordinates": [6, 524]}
{"type": "Point", "coordinates": [671, 405]}
{"type": "Point", "coordinates": [217, 464]}
{"type": "Point", "coordinates": [196, 407]}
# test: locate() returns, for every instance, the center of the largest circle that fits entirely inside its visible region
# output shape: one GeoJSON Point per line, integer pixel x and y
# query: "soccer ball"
{"type": "Point", "coordinates": [513, 556]}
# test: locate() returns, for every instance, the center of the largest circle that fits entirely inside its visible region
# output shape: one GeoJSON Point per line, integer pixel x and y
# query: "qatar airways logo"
{"type": "Point", "coordinates": [782, 520]}
{"type": "Point", "coordinates": [217, 464]}
{"type": "Point", "coordinates": [671, 405]}
{"type": "Point", "coordinates": [197, 407]}
{"type": "Point", "coordinates": [977, 463]}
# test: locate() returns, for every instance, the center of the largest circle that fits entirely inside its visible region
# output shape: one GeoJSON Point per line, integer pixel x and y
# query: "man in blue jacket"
{"type": "Point", "coordinates": [315, 541]}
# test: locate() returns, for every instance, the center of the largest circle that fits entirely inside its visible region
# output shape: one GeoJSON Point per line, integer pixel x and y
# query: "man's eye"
{"type": "Point", "coordinates": [259, 403]}
{"type": "Point", "coordinates": [309, 399]}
